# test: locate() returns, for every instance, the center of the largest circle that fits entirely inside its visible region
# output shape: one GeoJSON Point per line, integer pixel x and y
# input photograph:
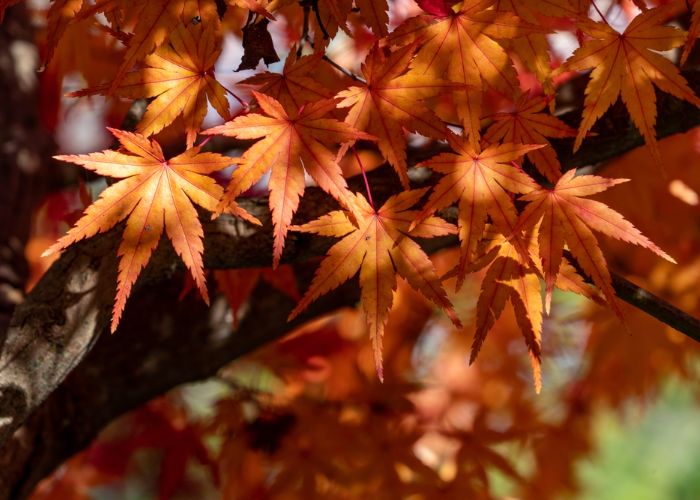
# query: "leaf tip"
{"type": "Point", "coordinates": [378, 362]}
{"type": "Point", "coordinates": [453, 317]}
{"type": "Point", "coordinates": [536, 364]}
{"type": "Point", "coordinates": [49, 251]}
{"type": "Point", "coordinates": [292, 315]}
{"type": "Point", "coordinates": [116, 316]}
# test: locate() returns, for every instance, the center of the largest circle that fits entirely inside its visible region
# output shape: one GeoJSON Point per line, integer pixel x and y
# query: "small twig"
{"type": "Point", "coordinates": [205, 141]}
{"type": "Point", "coordinates": [337, 66]}
{"type": "Point", "coordinates": [364, 177]}
{"type": "Point", "coordinates": [243, 104]}
{"type": "Point", "coordinates": [602, 16]}
{"type": "Point", "coordinates": [317, 12]}
{"type": "Point", "coordinates": [343, 70]}
{"type": "Point", "coordinates": [305, 29]}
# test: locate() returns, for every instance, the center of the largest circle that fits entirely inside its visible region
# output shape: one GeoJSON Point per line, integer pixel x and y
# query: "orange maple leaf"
{"type": "Point", "coordinates": [180, 76]}
{"type": "Point", "coordinates": [328, 18]}
{"type": "Point", "coordinates": [292, 142]}
{"type": "Point", "coordinates": [480, 182]}
{"type": "Point", "coordinates": [527, 125]}
{"type": "Point", "coordinates": [155, 21]}
{"type": "Point", "coordinates": [155, 194]}
{"type": "Point", "coordinates": [253, 6]}
{"type": "Point", "coordinates": [59, 16]}
{"type": "Point", "coordinates": [626, 65]}
{"type": "Point", "coordinates": [376, 15]}
{"type": "Point", "coordinates": [693, 32]}
{"type": "Point", "coordinates": [510, 277]}
{"type": "Point", "coordinates": [390, 101]}
{"type": "Point", "coordinates": [533, 49]}
{"type": "Point", "coordinates": [379, 248]}
{"type": "Point", "coordinates": [567, 218]}
{"type": "Point", "coordinates": [463, 46]}
{"type": "Point", "coordinates": [294, 87]}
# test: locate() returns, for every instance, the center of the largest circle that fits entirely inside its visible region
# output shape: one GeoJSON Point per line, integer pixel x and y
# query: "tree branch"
{"type": "Point", "coordinates": [143, 360]}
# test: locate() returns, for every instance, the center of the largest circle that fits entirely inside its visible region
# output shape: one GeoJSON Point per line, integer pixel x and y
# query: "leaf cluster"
{"type": "Point", "coordinates": [454, 74]}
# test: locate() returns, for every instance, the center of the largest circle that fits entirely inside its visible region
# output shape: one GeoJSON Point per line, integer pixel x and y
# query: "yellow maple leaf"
{"type": "Point", "coordinates": [526, 124]}
{"type": "Point", "coordinates": [479, 180]}
{"type": "Point", "coordinates": [180, 76]}
{"type": "Point", "coordinates": [295, 86]}
{"type": "Point", "coordinates": [461, 46]}
{"type": "Point", "coordinates": [379, 247]}
{"type": "Point", "coordinates": [390, 101]}
{"type": "Point", "coordinates": [154, 194]}
{"type": "Point", "coordinates": [293, 141]}
{"type": "Point", "coordinates": [155, 21]}
{"type": "Point", "coordinates": [511, 278]}
{"type": "Point", "coordinates": [533, 48]}
{"type": "Point", "coordinates": [567, 218]}
{"type": "Point", "coordinates": [626, 65]}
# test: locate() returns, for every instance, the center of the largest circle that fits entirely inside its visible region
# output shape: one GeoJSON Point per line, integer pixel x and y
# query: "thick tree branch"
{"type": "Point", "coordinates": [158, 347]}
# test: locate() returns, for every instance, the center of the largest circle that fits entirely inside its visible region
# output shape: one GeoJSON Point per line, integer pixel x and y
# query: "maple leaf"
{"type": "Point", "coordinates": [155, 21]}
{"type": "Point", "coordinates": [390, 101]}
{"type": "Point", "coordinates": [511, 278]}
{"type": "Point", "coordinates": [257, 44]}
{"type": "Point", "coordinates": [180, 76]}
{"type": "Point", "coordinates": [327, 18]}
{"type": "Point", "coordinates": [693, 32]}
{"type": "Point", "coordinates": [463, 46]}
{"type": "Point", "coordinates": [533, 49]}
{"type": "Point", "coordinates": [527, 125]}
{"type": "Point", "coordinates": [479, 181]}
{"type": "Point", "coordinates": [154, 194]}
{"type": "Point", "coordinates": [379, 247]}
{"type": "Point", "coordinates": [294, 87]}
{"type": "Point", "coordinates": [292, 142]}
{"type": "Point", "coordinates": [626, 65]}
{"type": "Point", "coordinates": [567, 218]}
{"type": "Point", "coordinates": [376, 14]}
{"type": "Point", "coordinates": [59, 16]}
{"type": "Point", "coordinates": [253, 6]}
